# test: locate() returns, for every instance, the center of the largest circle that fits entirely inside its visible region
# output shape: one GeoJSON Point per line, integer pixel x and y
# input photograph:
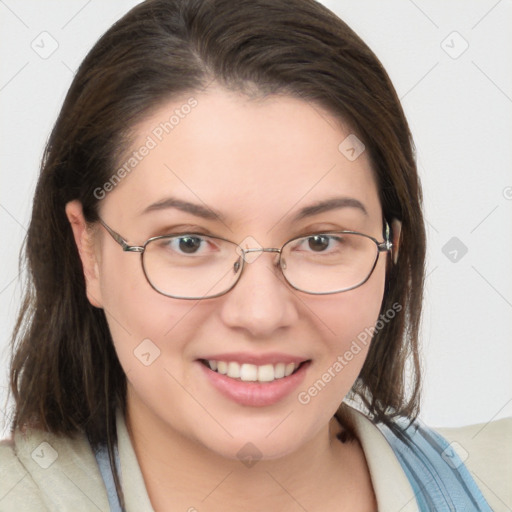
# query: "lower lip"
{"type": "Point", "coordinates": [256, 394]}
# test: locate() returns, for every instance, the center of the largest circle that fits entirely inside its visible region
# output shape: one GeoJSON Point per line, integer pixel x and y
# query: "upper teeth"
{"type": "Point", "coordinates": [251, 372]}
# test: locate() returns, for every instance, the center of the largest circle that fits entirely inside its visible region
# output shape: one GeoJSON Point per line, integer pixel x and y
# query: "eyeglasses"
{"type": "Point", "coordinates": [198, 266]}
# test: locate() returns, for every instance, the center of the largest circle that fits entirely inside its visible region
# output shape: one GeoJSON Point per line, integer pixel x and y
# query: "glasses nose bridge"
{"type": "Point", "coordinates": [261, 249]}
{"type": "Point", "coordinates": [252, 254]}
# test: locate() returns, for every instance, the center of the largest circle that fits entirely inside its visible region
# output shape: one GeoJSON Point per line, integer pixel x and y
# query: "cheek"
{"type": "Point", "coordinates": [151, 335]}
{"type": "Point", "coordinates": [141, 321]}
{"type": "Point", "coordinates": [347, 322]}
{"type": "Point", "coordinates": [348, 314]}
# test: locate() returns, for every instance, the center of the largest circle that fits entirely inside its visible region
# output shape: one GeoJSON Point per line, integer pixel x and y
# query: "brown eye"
{"type": "Point", "coordinates": [318, 243]}
{"type": "Point", "coordinates": [189, 244]}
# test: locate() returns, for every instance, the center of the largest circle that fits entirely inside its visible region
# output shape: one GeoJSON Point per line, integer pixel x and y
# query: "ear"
{"type": "Point", "coordinates": [85, 243]}
{"type": "Point", "coordinates": [396, 230]}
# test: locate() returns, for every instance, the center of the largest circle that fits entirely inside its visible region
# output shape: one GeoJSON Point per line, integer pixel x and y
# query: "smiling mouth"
{"type": "Point", "coordinates": [247, 372]}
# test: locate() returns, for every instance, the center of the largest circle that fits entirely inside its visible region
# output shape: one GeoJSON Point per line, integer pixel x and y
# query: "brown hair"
{"type": "Point", "coordinates": [65, 374]}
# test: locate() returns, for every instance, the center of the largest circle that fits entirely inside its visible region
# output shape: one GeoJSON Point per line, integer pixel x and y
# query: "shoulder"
{"type": "Point", "coordinates": [41, 471]}
{"type": "Point", "coordinates": [437, 464]}
{"type": "Point", "coordinates": [468, 468]}
{"type": "Point", "coordinates": [17, 490]}
{"type": "Point", "coordinates": [486, 450]}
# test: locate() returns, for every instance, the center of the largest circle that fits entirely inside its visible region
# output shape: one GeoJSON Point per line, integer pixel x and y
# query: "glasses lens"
{"type": "Point", "coordinates": [197, 266]}
{"type": "Point", "coordinates": [191, 266]}
{"type": "Point", "coordinates": [329, 262]}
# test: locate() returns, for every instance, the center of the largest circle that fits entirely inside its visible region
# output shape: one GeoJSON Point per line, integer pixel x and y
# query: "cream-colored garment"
{"type": "Point", "coordinates": [41, 472]}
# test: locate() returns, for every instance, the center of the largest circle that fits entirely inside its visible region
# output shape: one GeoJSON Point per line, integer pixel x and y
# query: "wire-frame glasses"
{"type": "Point", "coordinates": [199, 266]}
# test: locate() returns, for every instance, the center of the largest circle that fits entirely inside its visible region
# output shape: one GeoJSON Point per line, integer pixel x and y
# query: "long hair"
{"type": "Point", "coordinates": [65, 375]}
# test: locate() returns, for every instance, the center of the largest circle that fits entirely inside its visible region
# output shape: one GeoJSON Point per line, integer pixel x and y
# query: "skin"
{"type": "Point", "coordinates": [257, 163]}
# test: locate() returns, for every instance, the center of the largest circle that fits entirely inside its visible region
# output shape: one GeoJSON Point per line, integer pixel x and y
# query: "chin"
{"type": "Point", "coordinates": [249, 452]}
{"type": "Point", "coordinates": [269, 440]}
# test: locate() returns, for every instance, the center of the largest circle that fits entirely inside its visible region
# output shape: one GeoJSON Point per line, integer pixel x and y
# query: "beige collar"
{"type": "Point", "coordinates": [135, 494]}
{"type": "Point", "coordinates": [390, 484]}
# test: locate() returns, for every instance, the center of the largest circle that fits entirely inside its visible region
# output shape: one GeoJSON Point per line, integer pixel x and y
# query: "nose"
{"type": "Point", "coordinates": [261, 303]}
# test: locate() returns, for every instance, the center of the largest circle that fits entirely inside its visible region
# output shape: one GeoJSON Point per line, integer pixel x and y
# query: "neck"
{"type": "Point", "coordinates": [183, 473]}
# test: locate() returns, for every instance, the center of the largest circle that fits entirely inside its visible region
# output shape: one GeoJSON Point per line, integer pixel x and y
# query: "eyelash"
{"type": "Point", "coordinates": [194, 229]}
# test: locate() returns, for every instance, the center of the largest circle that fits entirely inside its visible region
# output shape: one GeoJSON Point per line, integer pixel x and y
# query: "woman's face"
{"type": "Point", "coordinates": [248, 171]}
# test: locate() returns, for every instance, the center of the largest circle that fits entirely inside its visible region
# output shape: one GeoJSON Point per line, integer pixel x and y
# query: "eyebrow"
{"type": "Point", "coordinates": [330, 204]}
{"type": "Point", "coordinates": [206, 212]}
{"type": "Point", "coordinates": [198, 210]}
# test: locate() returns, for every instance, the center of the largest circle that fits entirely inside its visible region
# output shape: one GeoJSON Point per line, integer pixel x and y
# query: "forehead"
{"type": "Point", "coordinates": [243, 156]}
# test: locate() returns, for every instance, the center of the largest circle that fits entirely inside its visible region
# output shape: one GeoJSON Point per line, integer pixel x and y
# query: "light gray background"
{"type": "Point", "coordinates": [459, 106]}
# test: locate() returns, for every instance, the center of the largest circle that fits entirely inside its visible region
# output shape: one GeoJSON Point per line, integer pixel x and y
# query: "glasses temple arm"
{"type": "Point", "coordinates": [120, 240]}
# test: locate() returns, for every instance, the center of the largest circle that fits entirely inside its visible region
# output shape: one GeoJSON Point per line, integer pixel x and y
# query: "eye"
{"type": "Point", "coordinates": [323, 244]}
{"type": "Point", "coordinates": [189, 244]}
{"type": "Point", "coordinates": [319, 243]}
{"type": "Point", "coordinates": [183, 245]}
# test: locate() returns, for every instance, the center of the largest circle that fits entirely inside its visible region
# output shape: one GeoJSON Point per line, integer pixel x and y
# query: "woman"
{"type": "Point", "coordinates": [256, 157]}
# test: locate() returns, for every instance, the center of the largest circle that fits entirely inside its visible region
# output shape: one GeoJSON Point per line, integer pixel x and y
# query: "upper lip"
{"type": "Point", "coordinates": [256, 359]}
